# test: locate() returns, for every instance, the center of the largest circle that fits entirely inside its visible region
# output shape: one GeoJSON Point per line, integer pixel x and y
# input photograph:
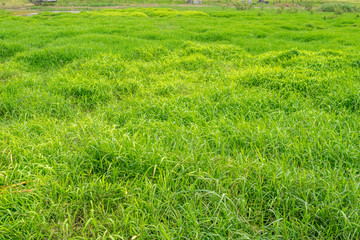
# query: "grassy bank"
{"type": "Point", "coordinates": [168, 124]}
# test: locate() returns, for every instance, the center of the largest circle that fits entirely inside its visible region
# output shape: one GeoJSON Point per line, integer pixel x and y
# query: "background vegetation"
{"type": "Point", "coordinates": [168, 124]}
{"type": "Point", "coordinates": [114, 3]}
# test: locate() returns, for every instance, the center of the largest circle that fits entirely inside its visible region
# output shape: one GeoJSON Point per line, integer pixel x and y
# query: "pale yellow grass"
{"type": "Point", "coordinates": [10, 3]}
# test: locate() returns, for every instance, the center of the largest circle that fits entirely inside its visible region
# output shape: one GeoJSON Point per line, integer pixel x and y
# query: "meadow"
{"type": "Point", "coordinates": [86, 4]}
{"type": "Point", "coordinates": [181, 123]}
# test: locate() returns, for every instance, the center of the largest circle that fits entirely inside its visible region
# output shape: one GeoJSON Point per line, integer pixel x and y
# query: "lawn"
{"type": "Point", "coordinates": [183, 123]}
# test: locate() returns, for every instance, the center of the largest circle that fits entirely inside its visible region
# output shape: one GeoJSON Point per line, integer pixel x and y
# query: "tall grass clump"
{"type": "Point", "coordinates": [8, 50]}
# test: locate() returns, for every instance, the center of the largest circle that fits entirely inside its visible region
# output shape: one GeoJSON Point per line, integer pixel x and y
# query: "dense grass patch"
{"type": "Point", "coordinates": [336, 7]}
{"type": "Point", "coordinates": [149, 123]}
{"type": "Point", "coordinates": [149, 12]}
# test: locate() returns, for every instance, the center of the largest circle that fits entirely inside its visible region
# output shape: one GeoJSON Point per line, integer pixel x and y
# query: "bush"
{"type": "Point", "coordinates": [308, 6]}
{"type": "Point", "coordinates": [241, 5]}
{"type": "Point", "coordinates": [338, 7]}
{"type": "Point", "coordinates": [293, 10]}
{"type": "Point", "coordinates": [280, 10]}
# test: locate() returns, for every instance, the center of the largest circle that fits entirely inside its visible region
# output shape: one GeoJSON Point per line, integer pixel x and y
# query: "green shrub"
{"type": "Point", "coordinates": [240, 5]}
{"type": "Point", "coordinates": [308, 6]}
{"type": "Point", "coordinates": [280, 10]}
{"type": "Point", "coordinates": [293, 9]}
{"type": "Point", "coordinates": [338, 8]}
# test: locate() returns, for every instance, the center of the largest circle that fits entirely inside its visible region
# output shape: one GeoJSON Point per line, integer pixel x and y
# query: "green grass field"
{"type": "Point", "coordinates": [113, 3]}
{"type": "Point", "coordinates": [180, 124]}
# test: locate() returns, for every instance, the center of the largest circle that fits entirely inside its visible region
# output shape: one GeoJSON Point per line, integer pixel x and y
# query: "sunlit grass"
{"type": "Point", "coordinates": [7, 3]}
{"type": "Point", "coordinates": [168, 124]}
